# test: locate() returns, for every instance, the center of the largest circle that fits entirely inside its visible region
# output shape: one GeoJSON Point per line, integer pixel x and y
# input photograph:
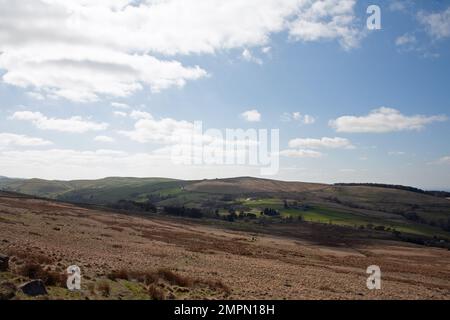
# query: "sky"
{"type": "Point", "coordinates": [90, 89]}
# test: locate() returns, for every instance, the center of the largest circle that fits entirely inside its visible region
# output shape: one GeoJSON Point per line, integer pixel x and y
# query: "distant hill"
{"type": "Point", "coordinates": [251, 185]}
{"type": "Point", "coordinates": [397, 208]}
{"type": "Point", "coordinates": [441, 194]}
{"type": "Point", "coordinates": [55, 189]}
{"type": "Point", "coordinates": [109, 189]}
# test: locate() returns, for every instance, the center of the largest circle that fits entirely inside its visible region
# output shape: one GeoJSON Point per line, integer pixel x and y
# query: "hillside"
{"type": "Point", "coordinates": [124, 256]}
{"type": "Point", "coordinates": [247, 185]}
{"type": "Point", "coordinates": [358, 206]}
{"type": "Point", "coordinates": [55, 188]}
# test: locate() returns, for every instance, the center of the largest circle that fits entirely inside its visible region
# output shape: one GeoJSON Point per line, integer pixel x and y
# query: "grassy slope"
{"type": "Point", "coordinates": [136, 190]}
{"type": "Point", "coordinates": [343, 205]}
{"type": "Point", "coordinates": [251, 185]}
{"type": "Point", "coordinates": [389, 200]}
{"type": "Point", "coordinates": [331, 213]}
{"type": "Point", "coordinates": [109, 188]}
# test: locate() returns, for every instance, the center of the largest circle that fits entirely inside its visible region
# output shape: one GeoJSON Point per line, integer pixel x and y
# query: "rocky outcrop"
{"type": "Point", "coordinates": [33, 288]}
{"type": "Point", "coordinates": [4, 262]}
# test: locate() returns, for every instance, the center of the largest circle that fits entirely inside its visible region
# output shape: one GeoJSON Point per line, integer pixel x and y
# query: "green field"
{"type": "Point", "coordinates": [321, 214]}
{"type": "Point", "coordinates": [352, 206]}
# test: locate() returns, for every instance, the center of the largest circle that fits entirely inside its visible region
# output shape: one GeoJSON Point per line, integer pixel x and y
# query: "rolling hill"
{"type": "Point", "coordinates": [251, 185]}
{"type": "Point", "coordinates": [125, 257]}
{"type": "Point", "coordinates": [391, 208]}
{"type": "Point", "coordinates": [54, 188]}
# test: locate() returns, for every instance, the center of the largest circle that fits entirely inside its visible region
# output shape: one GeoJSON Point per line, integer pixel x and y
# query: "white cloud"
{"type": "Point", "coordinates": [325, 142]}
{"type": "Point", "coordinates": [136, 114]}
{"type": "Point", "coordinates": [437, 24]}
{"type": "Point", "coordinates": [307, 119]}
{"type": "Point", "coordinates": [73, 164]}
{"type": "Point", "coordinates": [87, 50]}
{"type": "Point", "coordinates": [286, 117]}
{"type": "Point", "coordinates": [163, 131]}
{"type": "Point", "coordinates": [396, 153]}
{"type": "Point", "coordinates": [74, 124]}
{"type": "Point", "coordinates": [120, 114]}
{"type": "Point", "coordinates": [84, 74]}
{"type": "Point", "coordinates": [327, 20]}
{"type": "Point", "coordinates": [443, 160]}
{"type": "Point", "coordinates": [251, 115]}
{"type": "Point", "coordinates": [301, 153]}
{"type": "Point", "coordinates": [11, 139]}
{"type": "Point", "coordinates": [119, 105]}
{"type": "Point", "coordinates": [36, 96]}
{"type": "Point", "coordinates": [406, 39]}
{"type": "Point", "coordinates": [186, 143]}
{"type": "Point", "coordinates": [297, 116]}
{"type": "Point", "coordinates": [248, 56]}
{"type": "Point", "coordinates": [78, 50]}
{"type": "Point", "coordinates": [105, 139]}
{"type": "Point", "coordinates": [78, 164]}
{"type": "Point", "coordinates": [383, 120]}
{"type": "Point", "coordinates": [266, 50]}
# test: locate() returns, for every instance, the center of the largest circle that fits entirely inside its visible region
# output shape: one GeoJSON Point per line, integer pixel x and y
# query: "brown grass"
{"type": "Point", "coordinates": [165, 275]}
{"type": "Point", "coordinates": [139, 276]}
{"type": "Point", "coordinates": [281, 248]}
{"type": "Point", "coordinates": [91, 288]}
{"type": "Point", "coordinates": [217, 285]}
{"type": "Point", "coordinates": [35, 271]}
{"type": "Point", "coordinates": [175, 279]}
{"type": "Point", "coordinates": [104, 288]}
{"type": "Point", "coordinates": [156, 293]}
{"type": "Point", "coordinates": [31, 270]}
{"type": "Point", "coordinates": [119, 274]}
{"type": "Point", "coordinates": [27, 256]}
{"type": "Point", "coordinates": [149, 277]}
{"type": "Point", "coordinates": [119, 229]}
{"type": "Point", "coordinates": [7, 290]}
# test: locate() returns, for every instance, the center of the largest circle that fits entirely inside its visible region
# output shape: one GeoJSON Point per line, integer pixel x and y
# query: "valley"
{"type": "Point", "coordinates": [405, 212]}
{"type": "Point", "coordinates": [151, 256]}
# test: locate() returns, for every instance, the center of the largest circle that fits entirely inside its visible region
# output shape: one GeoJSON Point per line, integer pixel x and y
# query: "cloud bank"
{"type": "Point", "coordinates": [383, 120]}
{"type": "Point", "coordinates": [85, 51]}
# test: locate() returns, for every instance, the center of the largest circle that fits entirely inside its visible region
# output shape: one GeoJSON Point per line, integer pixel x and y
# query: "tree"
{"type": "Point", "coordinates": [270, 212]}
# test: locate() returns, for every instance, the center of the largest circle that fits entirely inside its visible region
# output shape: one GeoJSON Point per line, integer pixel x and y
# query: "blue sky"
{"type": "Point", "coordinates": [299, 70]}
